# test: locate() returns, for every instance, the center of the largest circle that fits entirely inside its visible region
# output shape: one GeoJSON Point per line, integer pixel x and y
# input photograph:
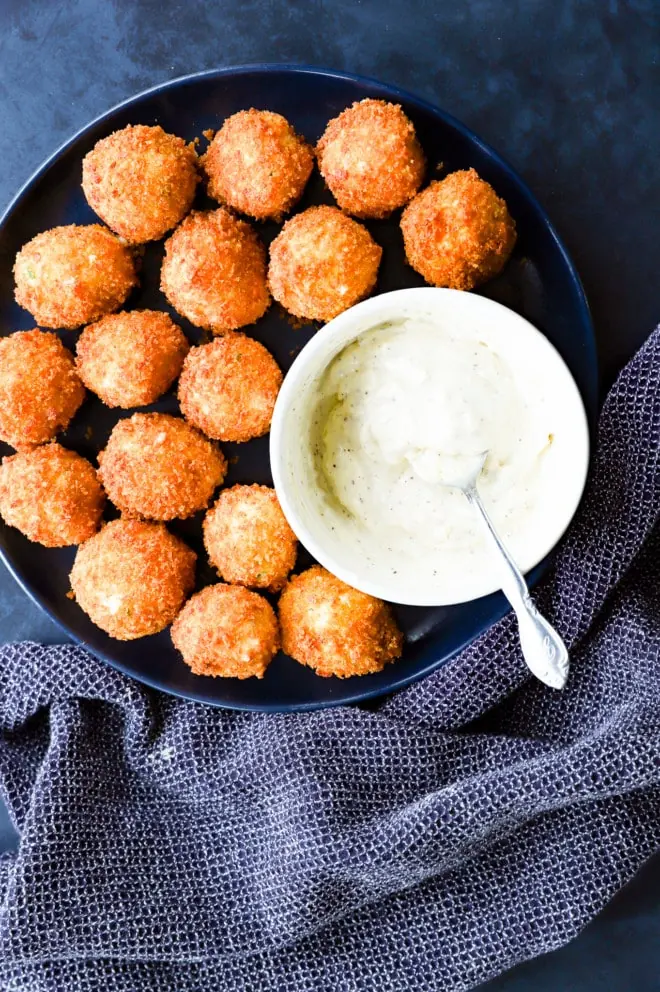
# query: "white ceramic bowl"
{"type": "Point", "coordinates": [546, 376]}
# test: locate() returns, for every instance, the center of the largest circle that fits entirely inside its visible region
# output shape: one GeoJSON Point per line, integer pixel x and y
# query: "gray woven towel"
{"type": "Point", "coordinates": [467, 823]}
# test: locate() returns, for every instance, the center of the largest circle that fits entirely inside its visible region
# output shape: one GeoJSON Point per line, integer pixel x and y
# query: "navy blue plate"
{"type": "Point", "coordinates": [539, 282]}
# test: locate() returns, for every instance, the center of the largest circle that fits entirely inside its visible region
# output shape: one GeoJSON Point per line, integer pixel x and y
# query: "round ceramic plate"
{"type": "Point", "coordinates": [538, 282]}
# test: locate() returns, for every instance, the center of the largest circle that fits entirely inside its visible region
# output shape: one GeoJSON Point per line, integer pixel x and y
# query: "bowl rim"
{"type": "Point", "coordinates": [313, 360]}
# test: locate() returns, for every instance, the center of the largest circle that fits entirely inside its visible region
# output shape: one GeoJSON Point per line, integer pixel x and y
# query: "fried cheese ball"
{"type": "Point", "coordinates": [72, 275]}
{"type": "Point", "coordinates": [132, 578]}
{"type": "Point", "coordinates": [159, 467]}
{"type": "Point", "coordinates": [39, 388]}
{"type": "Point", "coordinates": [335, 629]}
{"type": "Point", "coordinates": [458, 232]}
{"type": "Point", "coordinates": [131, 358]}
{"type": "Point", "coordinates": [371, 159]}
{"type": "Point", "coordinates": [248, 539]}
{"type": "Point", "coordinates": [52, 495]}
{"type": "Point", "coordinates": [214, 271]}
{"type": "Point", "coordinates": [228, 388]}
{"type": "Point", "coordinates": [227, 631]}
{"type": "Point", "coordinates": [141, 181]}
{"type": "Point", "coordinates": [321, 263]}
{"type": "Point", "coordinates": [257, 164]}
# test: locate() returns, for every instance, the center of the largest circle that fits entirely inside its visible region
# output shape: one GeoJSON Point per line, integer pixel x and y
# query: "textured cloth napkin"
{"type": "Point", "coordinates": [470, 822]}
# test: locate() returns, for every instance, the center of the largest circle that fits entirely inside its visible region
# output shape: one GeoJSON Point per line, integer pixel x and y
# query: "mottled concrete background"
{"type": "Point", "coordinates": [567, 91]}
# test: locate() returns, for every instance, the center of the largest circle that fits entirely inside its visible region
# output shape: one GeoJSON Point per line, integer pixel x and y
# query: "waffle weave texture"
{"type": "Point", "coordinates": [426, 844]}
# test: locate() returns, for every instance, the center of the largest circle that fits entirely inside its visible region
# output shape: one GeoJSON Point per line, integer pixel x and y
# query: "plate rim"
{"type": "Point", "coordinates": [590, 396]}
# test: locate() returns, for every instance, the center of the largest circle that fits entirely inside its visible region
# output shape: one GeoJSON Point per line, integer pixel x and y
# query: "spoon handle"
{"type": "Point", "coordinates": [543, 649]}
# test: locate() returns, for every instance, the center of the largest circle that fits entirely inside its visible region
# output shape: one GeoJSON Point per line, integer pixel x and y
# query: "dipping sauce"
{"type": "Point", "coordinates": [392, 402]}
{"type": "Point", "coordinates": [405, 411]}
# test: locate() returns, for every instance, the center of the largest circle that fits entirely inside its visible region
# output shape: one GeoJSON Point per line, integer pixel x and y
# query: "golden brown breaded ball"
{"type": "Point", "coordinates": [159, 467]}
{"type": "Point", "coordinates": [214, 271]}
{"type": "Point", "coordinates": [132, 578]}
{"type": "Point", "coordinates": [39, 387]}
{"type": "Point", "coordinates": [248, 539]}
{"type": "Point", "coordinates": [227, 631]}
{"type": "Point", "coordinates": [458, 232]}
{"type": "Point", "coordinates": [335, 629]}
{"type": "Point", "coordinates": [141, 181]}
{"type": "Point", "coordinates": [131, 358]}
{"type": "Point", "coordinates": [321, 263]}
{"type": "Point", "coordinates": [228, 388]}
{"type": "Point", "coordinates": [72, 275]}
{"type": "Point", "coordinates": [371, 159]}
{"type": "Point", "coordinates": [51, 495]}
{"type": "Point", "coordinates": [258, 164]}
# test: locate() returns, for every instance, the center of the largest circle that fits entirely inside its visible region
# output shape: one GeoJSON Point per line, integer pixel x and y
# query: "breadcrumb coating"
{"type": "Point", "coordinates": [321, 263]}
{"type": "Point", "coordinates": [141, 181]}
{"type": "Point", "coordinates": [458, 232]}
{"type": "Point", "coordinates": [371, 159]}
{"type": "Point", "coordinates": [257, 164]}
{"type": "Point", "coordinates": [131, 358]}
{"type": "Point", "coordinates": [214, 271]}
{"type": "Point", "coordinates": [159, 467]}
{"type": "Point", "coordinates": [39, 387]}
{"type": "Point", "coordinates": [248, 539]}
{"type": "Point", "coordinates": [132, 578]}
{"type": "Point", "coordinates": [52, 495]}
{"type": "Point", "coordinates": [72, 275]}
{"type": "Point", "coordinates": [335, 629]}
{"type": "Point", "coordinates": [227, 631]}
{"type": "Point", "coordinates": [228, 388]}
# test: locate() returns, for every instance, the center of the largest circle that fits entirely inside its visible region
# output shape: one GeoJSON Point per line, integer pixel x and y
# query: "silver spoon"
{"type": "Point", "coordinates": [544, 651]}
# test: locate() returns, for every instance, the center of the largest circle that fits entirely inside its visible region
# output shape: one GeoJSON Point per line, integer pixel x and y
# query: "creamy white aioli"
{"type": "Point", "coordinates": [408, 408]}
{"type": "Point", "coordinates": [401, 393]}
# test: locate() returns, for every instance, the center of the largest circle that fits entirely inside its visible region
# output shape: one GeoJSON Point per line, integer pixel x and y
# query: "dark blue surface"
{"type": "Point", "coordinates": [566, 90]}
{"type": "Point", "coordinates": [538, 281]}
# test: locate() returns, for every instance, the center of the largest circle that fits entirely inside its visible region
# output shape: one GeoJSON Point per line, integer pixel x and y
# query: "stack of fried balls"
{"type": "Point", "coordinates": [131, 575]}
